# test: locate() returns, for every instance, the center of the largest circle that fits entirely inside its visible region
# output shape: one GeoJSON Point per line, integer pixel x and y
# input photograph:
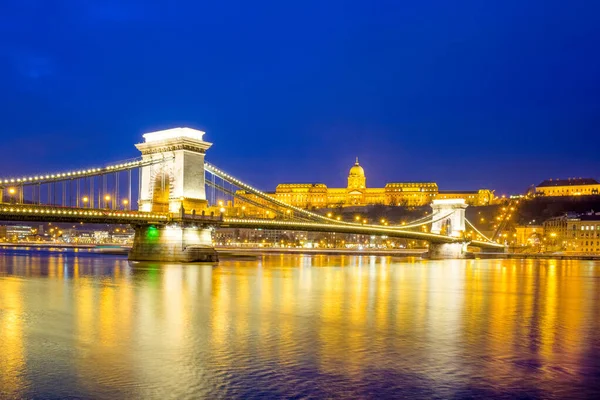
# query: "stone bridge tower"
{"type": "Point", "coordinates": [174, 177]}
{"type": "Point", "coordinates": [178, 178]}
{"type": "Point", "coordinates": [453, 225]}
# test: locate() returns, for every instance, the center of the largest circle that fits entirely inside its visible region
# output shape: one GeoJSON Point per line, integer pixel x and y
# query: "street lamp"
{"type": "Point", "coordinates": [85, 200]}
{"type": "Point", "coordinates": [11, 192]}
{"type": "Point", "coordinates": [125, 203]}
{"type": "Point", "coordinates": [106, 200]}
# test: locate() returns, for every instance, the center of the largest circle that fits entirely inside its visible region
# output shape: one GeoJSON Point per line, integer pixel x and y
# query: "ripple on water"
{"type": "Point", "coordinates": [298, 327]}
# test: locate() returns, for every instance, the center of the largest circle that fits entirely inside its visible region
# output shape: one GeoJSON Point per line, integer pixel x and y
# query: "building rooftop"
{"type": "Point", "coordinates": [589, 217]}
{"type": "Point", "coordinates": [429, 184]}
{"type": "Point", "coordinates": [458, 192]}
{"type": "Point", "coordinates": [301, 185]}
{"type": "Point", "coordinates": [568, 182]}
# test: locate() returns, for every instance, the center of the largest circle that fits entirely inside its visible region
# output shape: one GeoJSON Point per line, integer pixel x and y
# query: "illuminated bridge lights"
{"type": "Point", "coordinates": [84, 213]}
{"type": "Point", "coordinates": [331, 222]}
{"type": "Point", "coordinates": [81, 173]}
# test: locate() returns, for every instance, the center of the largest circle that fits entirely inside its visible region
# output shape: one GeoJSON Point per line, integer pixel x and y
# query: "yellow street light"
{"type": "Point", "coordinates": [85, 199]}
{"type": "Point", "coordinates": [107, 197]}
{"type": "Point", "coordinates": [12, 190]}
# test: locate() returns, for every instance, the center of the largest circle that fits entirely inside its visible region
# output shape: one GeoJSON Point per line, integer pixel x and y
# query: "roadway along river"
{"type": "Point", "coordinates": [93, 326]}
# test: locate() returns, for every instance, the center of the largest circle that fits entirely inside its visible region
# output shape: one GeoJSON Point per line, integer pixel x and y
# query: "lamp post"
{"type": "Point", "coordinates": [106, 200]}
{"type": "Point", "coordinates": [125, 204]}
{"type": "Point", "coordinates": [11, 192]}
{"type": "Point", "coordinates": [85, 200]}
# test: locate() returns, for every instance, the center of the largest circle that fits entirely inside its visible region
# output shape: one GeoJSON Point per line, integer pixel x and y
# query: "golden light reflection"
{"type": "Point", "coordinates": [12, 347]}
{"type": "Point", "coordinates": [342, 315]}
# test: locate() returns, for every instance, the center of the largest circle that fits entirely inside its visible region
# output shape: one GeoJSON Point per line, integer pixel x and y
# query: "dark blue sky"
{"type": "Point", "coordinates": [498, 94]}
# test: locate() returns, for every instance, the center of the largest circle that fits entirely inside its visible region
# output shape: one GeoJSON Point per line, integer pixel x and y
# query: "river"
{"type": "Point", "coordinates": [74, 324]}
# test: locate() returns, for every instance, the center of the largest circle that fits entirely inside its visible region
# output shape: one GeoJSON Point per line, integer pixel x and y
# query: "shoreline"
{"type": "Point", "coordinates": [240, 251]}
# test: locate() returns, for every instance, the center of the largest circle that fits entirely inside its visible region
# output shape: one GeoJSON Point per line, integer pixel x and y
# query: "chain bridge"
{"type": "Point", "coordinates": [163, 196]}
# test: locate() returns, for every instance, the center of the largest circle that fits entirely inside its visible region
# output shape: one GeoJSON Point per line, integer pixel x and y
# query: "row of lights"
{"type": "Point", "coordinates": [85, 199]}
{"type": "Point", "coordinates": [77, 212]}
{"type": "Point", "coordinates": [317, 225]}
{"type": "Point", "coordinates": [73, 173]}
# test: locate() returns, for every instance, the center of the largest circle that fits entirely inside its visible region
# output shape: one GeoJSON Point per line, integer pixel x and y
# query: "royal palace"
{"type": "Point", "coordinates": [356, 193]}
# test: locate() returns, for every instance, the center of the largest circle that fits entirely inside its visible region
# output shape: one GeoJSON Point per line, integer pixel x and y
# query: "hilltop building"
{"type": "Point", "coordinates": [568, 187]}
{"type": "Point", "coordinates": [356, 193]}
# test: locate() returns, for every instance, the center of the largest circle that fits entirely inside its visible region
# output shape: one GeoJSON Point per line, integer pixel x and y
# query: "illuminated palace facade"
{"type": "Point", "coordinates": [568, 187]}
{"type": "Point", "coordinates": [356, 193]}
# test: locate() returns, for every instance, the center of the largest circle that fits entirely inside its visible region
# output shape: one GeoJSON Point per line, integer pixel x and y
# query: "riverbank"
{"type": "Point", "coordinates": [241, 251]}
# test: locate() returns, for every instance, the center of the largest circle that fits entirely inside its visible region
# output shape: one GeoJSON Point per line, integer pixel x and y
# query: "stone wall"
{"type": "Point", "coordinates": [172, 243]}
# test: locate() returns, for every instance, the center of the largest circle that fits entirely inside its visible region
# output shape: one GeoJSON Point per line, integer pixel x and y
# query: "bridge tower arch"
{"type": "Point", "coordinates": [174, 170]}
{"type": "Point", "coordinates": [454, 223]}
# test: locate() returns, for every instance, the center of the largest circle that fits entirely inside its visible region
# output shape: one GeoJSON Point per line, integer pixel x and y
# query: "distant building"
{"type": "Point", "coordinates": [318, 195]}
{"type": "Point", "coordinates": [528, 235]}
{"type": "Point", "coordinates": [568, 187]}
{"type": "Point", "coordinates": [15, 232]}
{"type": "Point", "coordinates": [481, 197]}
{"type": "Point", "coordinates": [574, 233]}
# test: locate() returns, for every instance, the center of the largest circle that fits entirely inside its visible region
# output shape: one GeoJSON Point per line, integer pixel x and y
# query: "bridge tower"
{"type": "Point", "coordinates": [453, 225]}
{"type": "Point", "coordinates": [172, 180]}
{"type": "Point", "coordinates": [175, 176]}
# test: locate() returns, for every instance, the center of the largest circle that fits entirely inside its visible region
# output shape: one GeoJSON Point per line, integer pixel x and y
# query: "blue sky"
{"type": "Point", "coordinates": [499, 94]}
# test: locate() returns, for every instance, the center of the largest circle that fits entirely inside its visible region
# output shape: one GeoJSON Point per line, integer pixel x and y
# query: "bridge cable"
{"type": "Point", "coordinates": [478, 231]}
{"type": "Point", "coordinates": [212, 169]}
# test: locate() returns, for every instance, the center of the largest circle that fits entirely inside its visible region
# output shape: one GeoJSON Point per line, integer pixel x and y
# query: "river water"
{"type": "Point", "coordinates": [87, 326]}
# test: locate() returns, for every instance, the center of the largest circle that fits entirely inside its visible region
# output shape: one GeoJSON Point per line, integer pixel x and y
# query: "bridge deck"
{"type": "Point", "coordinates": [347, 228]}
{"type": "Point", "coordinates": [35, 213]}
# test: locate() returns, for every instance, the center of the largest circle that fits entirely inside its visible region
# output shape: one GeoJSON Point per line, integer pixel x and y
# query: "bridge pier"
{"type": "Point", "coordinates": [173, 243]}
{"type": "Point", "coordinates": [447, 251]}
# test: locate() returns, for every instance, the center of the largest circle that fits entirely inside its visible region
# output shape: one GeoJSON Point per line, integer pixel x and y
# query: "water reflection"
{"type": "Point", "coordinates": [83, 325]}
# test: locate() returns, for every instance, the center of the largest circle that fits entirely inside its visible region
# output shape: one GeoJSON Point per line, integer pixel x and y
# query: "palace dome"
{"type": "Point", "coordinates": [357, 170]}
